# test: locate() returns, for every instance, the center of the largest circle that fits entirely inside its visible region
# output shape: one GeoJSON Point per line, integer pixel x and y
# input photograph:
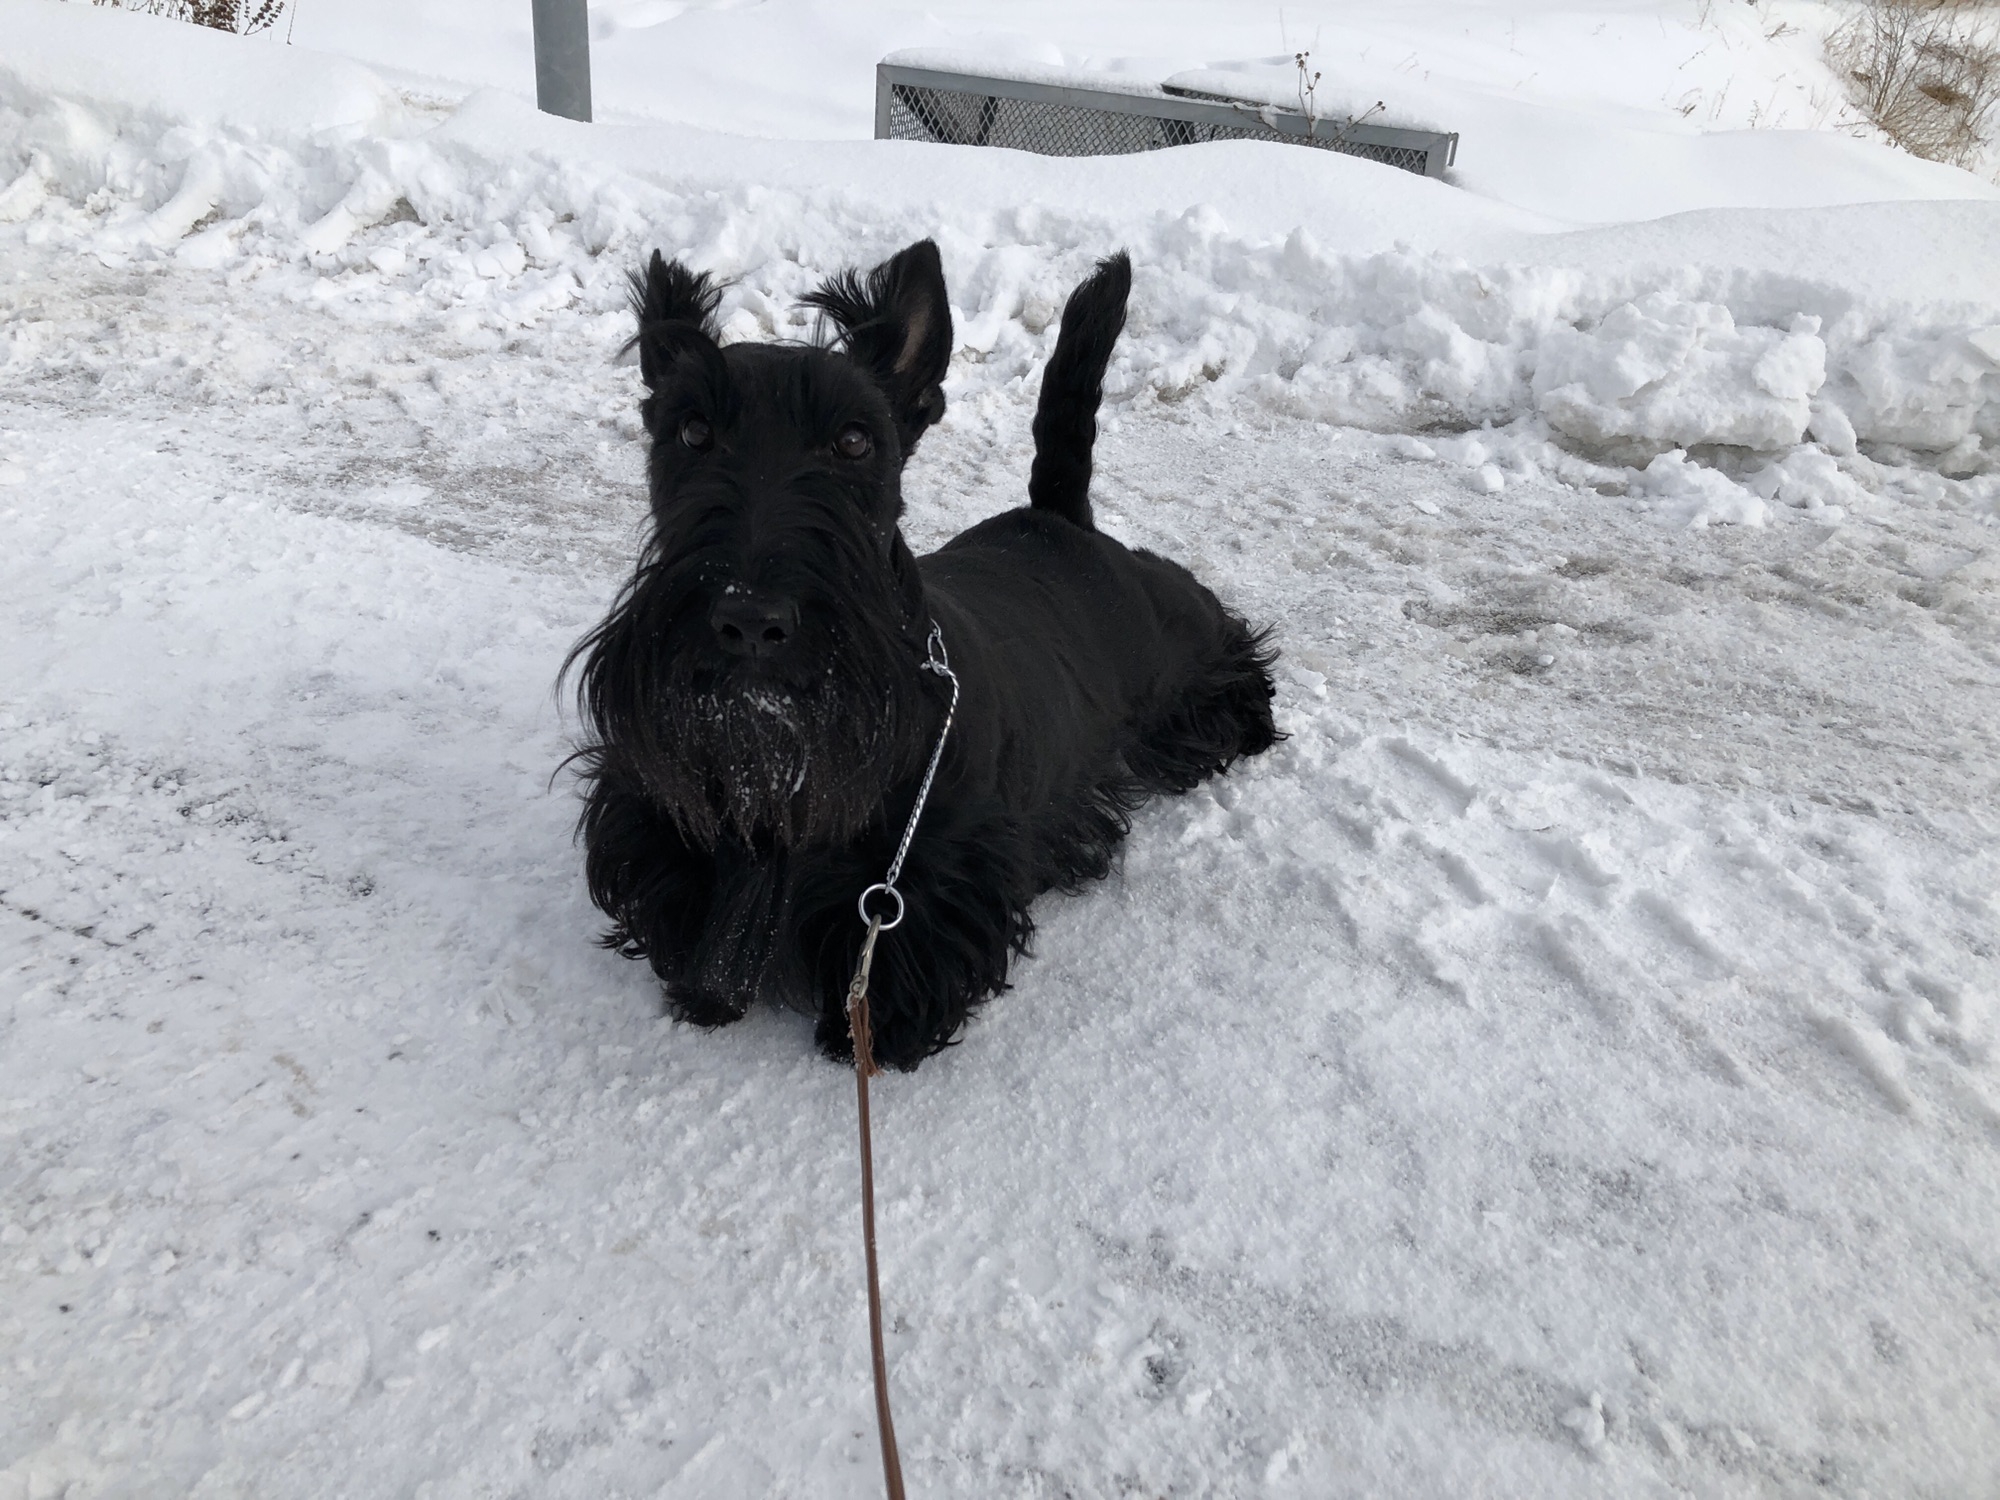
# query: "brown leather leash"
{"type": "Point", "coordinates": [865, 1067]}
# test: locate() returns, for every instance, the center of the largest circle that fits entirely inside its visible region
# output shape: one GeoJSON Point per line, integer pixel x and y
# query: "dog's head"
{"type": "Point", "coordinates": [759, 675]}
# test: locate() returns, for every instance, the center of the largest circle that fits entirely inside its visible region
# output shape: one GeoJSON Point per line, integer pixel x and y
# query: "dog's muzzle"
{"type": "Point", "coordinates": [754, 624]}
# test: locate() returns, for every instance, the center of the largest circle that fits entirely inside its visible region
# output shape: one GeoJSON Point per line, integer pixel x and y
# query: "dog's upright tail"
{"type": "Point", "coordinates": [1072, 387]}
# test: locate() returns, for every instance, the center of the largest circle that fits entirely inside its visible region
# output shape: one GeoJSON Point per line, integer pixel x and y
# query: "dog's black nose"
{"type": "Point", "coordinates": [753, 624]}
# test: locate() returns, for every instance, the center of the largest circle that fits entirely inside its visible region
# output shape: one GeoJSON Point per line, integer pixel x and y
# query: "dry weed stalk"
{"type": "Point", "coordinates": [239, 16]}
{"type": "Point", "coordinates": [1926, 71]}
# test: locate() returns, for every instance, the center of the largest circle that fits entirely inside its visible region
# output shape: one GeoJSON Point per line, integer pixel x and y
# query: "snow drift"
{"type": "Point", "coordinates": [1417, 307]}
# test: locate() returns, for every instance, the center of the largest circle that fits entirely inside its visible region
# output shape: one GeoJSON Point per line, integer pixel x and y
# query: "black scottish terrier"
{"type": "Point", "coordinates": [759, 717]}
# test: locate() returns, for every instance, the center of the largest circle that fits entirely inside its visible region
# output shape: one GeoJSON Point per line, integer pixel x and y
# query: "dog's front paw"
{"type": "Point", "coordinates": [705, 1008]}
{"type": "Point", "coordinates": [831, 1036]}
{"type": "Point", "coordinates": [900, 1041]}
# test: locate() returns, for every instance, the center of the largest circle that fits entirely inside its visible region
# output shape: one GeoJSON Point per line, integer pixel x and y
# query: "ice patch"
{"type": "Point", "coordinates": [403, 495]}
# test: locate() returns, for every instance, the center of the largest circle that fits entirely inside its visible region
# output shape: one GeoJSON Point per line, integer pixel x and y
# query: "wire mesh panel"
{"type": "Point", "coordinates": [960, 109]}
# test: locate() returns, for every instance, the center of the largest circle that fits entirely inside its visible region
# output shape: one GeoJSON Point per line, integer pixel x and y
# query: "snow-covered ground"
{"type": "Point", "coordinates": [1569, 1065]}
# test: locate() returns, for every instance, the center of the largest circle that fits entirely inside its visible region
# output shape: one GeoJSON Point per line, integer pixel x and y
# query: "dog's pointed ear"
{"type": "Point", "coordinates": [896, 323]}
{"type": "Point", "coordinates": [676, 312]}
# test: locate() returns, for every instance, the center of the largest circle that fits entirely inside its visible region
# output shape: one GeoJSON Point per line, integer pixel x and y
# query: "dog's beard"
{"type": "Point", "coordinates": [797, 752]}
{"type": "Point", "coordinates": [764, 763]}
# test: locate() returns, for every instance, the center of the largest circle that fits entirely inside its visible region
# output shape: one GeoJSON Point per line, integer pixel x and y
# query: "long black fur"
{"type": "Point", "coordinates": [757, 716]}
{"type": "Point", "coordinates": [1072, 388]}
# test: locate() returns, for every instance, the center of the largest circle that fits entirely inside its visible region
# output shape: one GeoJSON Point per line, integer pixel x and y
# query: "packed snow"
{"type": "Point", "coordinates": [1568, 1065]}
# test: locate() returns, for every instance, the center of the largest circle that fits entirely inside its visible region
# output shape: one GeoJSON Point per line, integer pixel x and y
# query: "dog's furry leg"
{"type": "Point", "coordinates": [747, 945]}
{"type": "Point", "coordinates": [643, 875]}
{"type": "Point", "coordinates": [966, 888]}
{"type": "Point", "coordinates": [1221, 714]}
{"type": "Point", "coordinates": [714, 924]}
{"type": "Point", "coordinates": [1072, 388]}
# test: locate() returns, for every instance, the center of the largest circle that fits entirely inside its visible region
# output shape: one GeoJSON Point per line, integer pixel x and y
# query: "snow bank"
{"type": "Point", "coordinates": [1332, 289]}
{"type": "Point", "coordinates": [1603, 164]}
{"type": "Point", "coordinates": [132, 66]}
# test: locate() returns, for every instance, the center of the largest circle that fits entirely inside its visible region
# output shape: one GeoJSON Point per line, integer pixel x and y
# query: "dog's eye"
{"type": "Point", "coordinates": [854, 441]}
{"type": "Point", "coordinates": [697, 434]}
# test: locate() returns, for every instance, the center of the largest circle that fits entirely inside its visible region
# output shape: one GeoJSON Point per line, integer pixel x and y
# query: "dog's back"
{"type": "Point", "coordinates": [1113, 673]}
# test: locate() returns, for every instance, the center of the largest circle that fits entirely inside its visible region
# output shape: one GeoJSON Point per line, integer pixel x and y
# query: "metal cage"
{"type": "Point", "coordinates": [964, 109]}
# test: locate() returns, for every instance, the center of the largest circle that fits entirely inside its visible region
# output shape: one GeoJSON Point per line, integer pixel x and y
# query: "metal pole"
{"type": "Point", "coordinates": [562, 58]}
